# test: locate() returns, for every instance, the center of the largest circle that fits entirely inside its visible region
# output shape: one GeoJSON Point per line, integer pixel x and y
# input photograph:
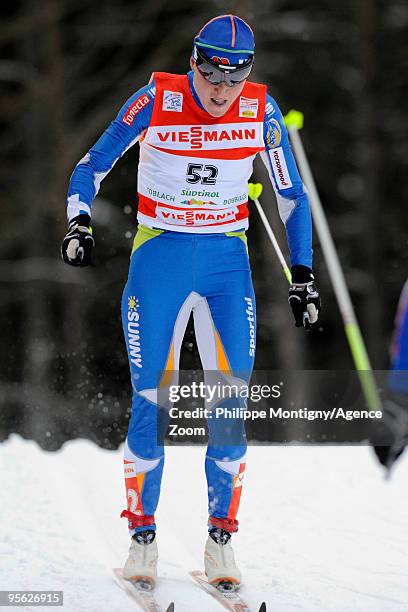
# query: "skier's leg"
{"type": "Point", "coordinates": [155, 311]}
{"type": "Point", "coordinates": [225, 324]}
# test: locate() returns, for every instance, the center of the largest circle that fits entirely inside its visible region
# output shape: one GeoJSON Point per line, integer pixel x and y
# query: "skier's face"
{"type": "Point", "coordinates": [216, 99]}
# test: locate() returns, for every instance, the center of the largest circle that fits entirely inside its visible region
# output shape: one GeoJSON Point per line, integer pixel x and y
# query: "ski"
{"type": "Point", "coordinates": [229, 599]}
{"type": "Point", "coordinates": [142, 596]}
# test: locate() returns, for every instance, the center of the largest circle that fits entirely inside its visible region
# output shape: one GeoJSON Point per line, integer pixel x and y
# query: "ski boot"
{"type": "Point", "coordinates": [141, 564]}
{"type": "Point", "coordinates": [219, 561]}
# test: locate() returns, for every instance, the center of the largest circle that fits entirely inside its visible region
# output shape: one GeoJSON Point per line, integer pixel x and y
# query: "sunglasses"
{"type": "Point", "coordinates": [219, 73]}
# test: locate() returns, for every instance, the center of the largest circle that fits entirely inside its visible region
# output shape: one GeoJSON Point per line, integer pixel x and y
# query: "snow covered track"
{"type": "Point", "coordinates": [320, 528]}
{"type": "Point", "coordinates": [145, 599]}
{"type": "Point", "coordinates": [231, 600]}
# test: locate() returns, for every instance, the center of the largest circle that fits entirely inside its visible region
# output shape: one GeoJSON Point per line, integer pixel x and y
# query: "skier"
{"type": "Point", "coordinates": [396, 407]}
{"type": "Point", "coordinates": [198, 135]}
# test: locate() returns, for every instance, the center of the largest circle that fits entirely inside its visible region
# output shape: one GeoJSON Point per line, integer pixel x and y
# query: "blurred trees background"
{"type": "Point", "coordinates": [66, 68]}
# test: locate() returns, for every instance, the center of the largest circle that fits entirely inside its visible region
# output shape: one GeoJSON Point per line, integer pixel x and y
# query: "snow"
{"type": "Point", "coordinates": [321, 529]}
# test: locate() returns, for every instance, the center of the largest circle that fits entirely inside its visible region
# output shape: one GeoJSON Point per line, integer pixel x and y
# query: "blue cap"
{"type": "Point", "coordinates": [226, 39]}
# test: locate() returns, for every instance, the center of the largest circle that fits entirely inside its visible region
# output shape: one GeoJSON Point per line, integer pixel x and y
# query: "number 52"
{"type": "Point", "coordinates": [200, 173]}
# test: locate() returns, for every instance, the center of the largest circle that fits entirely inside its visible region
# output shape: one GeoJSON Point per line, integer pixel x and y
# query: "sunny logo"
{"type": "Point", "coordinates": [133, 332]}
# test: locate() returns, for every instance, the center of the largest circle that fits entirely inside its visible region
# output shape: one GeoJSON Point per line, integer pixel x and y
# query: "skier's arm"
{"type": "Point", "coordinates": [292, 200]}
{"type": "Point", "coordinates": [124, 131]}
{"type": "Point", "coordinates": [294, 210]}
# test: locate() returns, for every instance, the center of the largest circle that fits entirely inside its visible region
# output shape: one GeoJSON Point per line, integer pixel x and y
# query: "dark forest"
{"type": "Point", "coordinates": [66, 68]}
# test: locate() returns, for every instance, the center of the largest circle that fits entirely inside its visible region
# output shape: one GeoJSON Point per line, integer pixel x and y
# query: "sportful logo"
{"type": "Point", "coordinates": [133, 332]}
{"type": "Point", "coordinates": [280, 168]}
{"type": "Point", "coordinates": [196, 136]}
{"type": "Point", "coordinates": [251, 320]}
{"type": "Point", "coordinates": [134, 108]}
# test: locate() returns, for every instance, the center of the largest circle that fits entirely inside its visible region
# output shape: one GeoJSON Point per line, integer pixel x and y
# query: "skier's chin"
{"type": "Point", "coordinates": [218, 107]}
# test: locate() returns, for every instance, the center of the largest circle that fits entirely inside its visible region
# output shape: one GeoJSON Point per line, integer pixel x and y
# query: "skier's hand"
{"type": "Point", "coordinates": [77, 245]}
{"type": "Point", "coordinates": [303, 297]}
{"type": "Point", "coordinates": [395, 418]}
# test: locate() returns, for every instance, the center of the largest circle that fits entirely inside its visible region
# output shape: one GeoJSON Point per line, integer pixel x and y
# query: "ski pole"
{"type": "Point", "coordinates": [294, 123]}
{"type": "Point", "coordinates": [254, 192]}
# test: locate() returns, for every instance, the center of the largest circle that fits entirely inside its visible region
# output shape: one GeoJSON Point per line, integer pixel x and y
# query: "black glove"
{"type": "Point", "coordinates": [303, 297]}
{"type": "Point", "coordinates": [395, 415]}
{"type": "Point", "coordinates": [77, 245]}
